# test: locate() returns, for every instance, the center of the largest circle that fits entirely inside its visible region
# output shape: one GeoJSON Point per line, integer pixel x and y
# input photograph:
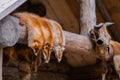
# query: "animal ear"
{"type": "Point", "coordinates": [109, 23]}
{"type": "Point", "coordinates": [91, 33]}
{"type": "Point", "coordinates": [97, 27]}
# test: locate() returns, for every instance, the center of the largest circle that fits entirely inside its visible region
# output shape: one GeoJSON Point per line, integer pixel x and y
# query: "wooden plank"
{"type": "Point", "coordinates": [60, 11]}
{"type": "Point", "coordinates": [64, 15]}
{"type": "Point", "coordinates": [5, 4]}
{"type": "Point", "coordinates": [75, 7]}
{"type": "Point", "coordinates": [11, 73]}
{"type": "Point", "coordinates": [91, 72]}
{"type": "Point", "coordinates": [50, 13]}
{"type": "Point", "coordinates": [9, 8]}
{"type": "Point", "coordinates": [1, 61]}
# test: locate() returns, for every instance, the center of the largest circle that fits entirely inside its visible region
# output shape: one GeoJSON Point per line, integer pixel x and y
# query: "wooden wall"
{"type": "Point", "coordinates": [63, 11]}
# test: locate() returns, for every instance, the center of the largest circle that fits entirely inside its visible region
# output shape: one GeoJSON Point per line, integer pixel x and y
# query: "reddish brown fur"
{"type": "Point", "coordinates": [35, 33]}
{"type": "Point", "coordinates": [48, 34]}
{"type": "Point", "coordinates": [32, 22]}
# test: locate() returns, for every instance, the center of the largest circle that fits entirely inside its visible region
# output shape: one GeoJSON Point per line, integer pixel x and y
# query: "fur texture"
{"type": "Point", "coordinates": [48, 35]}
{"type": "Point", "coordinates": [116, 56]}
{"type": "Point", "coordinates": [35, 33]}
{"type": "Point", "coordinates": [43, 34]}
{"type": "Point", "coordinates": [59, 39]}
{"type": "Point", "coordinates": [101, 38]}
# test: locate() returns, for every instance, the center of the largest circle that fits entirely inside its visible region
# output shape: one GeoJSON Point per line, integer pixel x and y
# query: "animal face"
{"type": "Point", "coordinates": [101, 38]}
{"type": "Point", "coordinates": [37, 49]}
{"type": "Point", "coordinates": [47, 50]}
{"type": "Point", "coordinates": [58, 52]}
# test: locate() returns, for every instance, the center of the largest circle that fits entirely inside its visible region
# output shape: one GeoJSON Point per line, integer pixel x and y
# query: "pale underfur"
{"type": "Point", "coordinates": [59, 39]}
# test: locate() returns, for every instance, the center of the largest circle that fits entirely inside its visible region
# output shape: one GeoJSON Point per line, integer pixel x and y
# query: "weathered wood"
{"type": "Point", "coordinates": [87, 73]}
{"type": "Point", "coordinates": [1, 61]}
{"type": "Point", "coordinates": [87, 16]}
{"type": "Point", "coordinates": [53, 70]}
{"type": "Point", "coordinates": [9, 32]}
{"type": "Point", "coordinates": [79, 51]}
{"type": "Point", "coordinates": [67, 17]}
{"type": "Point", "coordinates": [10, 73]}
{"type": "Point", "coordinates": [75, 7]}
{"type": "Point", "coordinates": [60, 11]}
{"type": "Point", "coordinates": [8, 9]}
{"type": "Point", "coordinates": [107, 17]}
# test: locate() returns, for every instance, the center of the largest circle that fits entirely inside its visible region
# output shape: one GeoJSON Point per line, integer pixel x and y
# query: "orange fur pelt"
{"type": "Point", "coordinates": [35, 33]}
{"type": "Point", "coordinates": [43, 35]}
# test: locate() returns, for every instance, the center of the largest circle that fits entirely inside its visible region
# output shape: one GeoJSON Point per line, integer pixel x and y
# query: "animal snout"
{"type": "Point", "coordinates": [99, 42]}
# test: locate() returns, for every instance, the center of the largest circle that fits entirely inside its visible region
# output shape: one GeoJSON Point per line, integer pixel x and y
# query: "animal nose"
{"type": "Point", "coordinates": [99, 42]}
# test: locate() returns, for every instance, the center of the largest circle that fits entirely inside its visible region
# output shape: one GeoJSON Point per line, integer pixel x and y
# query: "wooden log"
{"type": "Point", "coordinates": [9, 32]}
{"type": "Point", "coordinates": [1, 61]}
{"type": "Point", "coordinates": [55, 11]}
{"type": "Point", "coordinates": [79, 51]}
{"type": "Point", "coordinates": [87, 16]}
